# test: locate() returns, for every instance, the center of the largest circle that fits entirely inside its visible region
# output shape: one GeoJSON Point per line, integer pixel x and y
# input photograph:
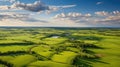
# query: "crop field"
{"type": "Point", "coordinates": [59, 47]}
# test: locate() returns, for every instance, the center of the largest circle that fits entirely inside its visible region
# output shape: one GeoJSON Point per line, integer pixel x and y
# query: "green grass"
{"type": "Point", "coordinates": [111, 53]}
{"type": "Point", "coordinates": [23, 60]}
{"type": "Point", "coordinates": [73, 50]}
{"type": "Point", "coordinates": [64, 57]}
{"type": "Point", "coordinates": [1, 65]}
{"type": "Point", "coordinates": [47, 64]}
{"type": "Point", "coordinates": [43, 50]}
{"type": "Point", "coordinates": [6, 58]}
{"type": "Point", "coordinates": [4, 49]}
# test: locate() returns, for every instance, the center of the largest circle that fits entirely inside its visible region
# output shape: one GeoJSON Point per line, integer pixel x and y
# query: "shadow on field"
{"type": "Point", "coordinates": [7, 64]}
{"type": "Point", "coordinates": [86, 62]}
{"type": "Point", "coordinates": [86, 57]}
{"type": "Point", "coordinates": [12, 53]}
{"type": "Point", "coordinates": [18, 43]}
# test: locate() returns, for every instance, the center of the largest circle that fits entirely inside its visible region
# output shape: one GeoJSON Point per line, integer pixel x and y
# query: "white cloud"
{"type": "Point", "coordinates": [11, 1]}
{"type": "Point", "coordinates": [11, 22]}
{"type": "Point", "coordinates": [71, 19]}
{"type": "Point", "coordinates": [68, 15]}
{"type": "Point", "coordinates": [37, 6]}
{"type": "Point", "coordinates": [100, 18]}
{"type": "Point", "coordinates": [88, 15]}
{"type": "Point", "coordinates": [116, 12]}
{"type": "Point", "coordinates": [101, 13]}
{"type": "Point", "coordinates": [5, 7]}
{"type": "Point", "coordinates": [66, 6]}
{"type": "Point", "coordinates": [109, 18]}
{"type": "Point", "coordinates": [19, 16]}
{"type": "Point", "coordinates": [72, 16]}
{"type": "Point", "coordinates": [98, 3]}
{"type": "Point", "coordinates": [20, 19]}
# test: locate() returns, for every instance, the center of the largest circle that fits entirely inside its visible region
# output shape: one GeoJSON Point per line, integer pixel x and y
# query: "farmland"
{"type": "Point", "coordinates": [59, 47]}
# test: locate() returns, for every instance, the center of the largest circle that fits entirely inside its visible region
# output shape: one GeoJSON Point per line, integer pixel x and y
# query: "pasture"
{"type": "Point", "coordinates": [59, 47]}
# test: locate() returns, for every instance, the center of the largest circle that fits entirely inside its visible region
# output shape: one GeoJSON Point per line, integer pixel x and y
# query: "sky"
{"type": "Point", "coordinates": [60, 13]}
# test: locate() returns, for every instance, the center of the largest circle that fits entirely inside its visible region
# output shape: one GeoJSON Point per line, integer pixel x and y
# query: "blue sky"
{"type": "Point", "coordinates": [60, 13]}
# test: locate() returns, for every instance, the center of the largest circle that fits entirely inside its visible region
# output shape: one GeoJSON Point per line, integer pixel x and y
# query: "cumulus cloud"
{"type": "Point", "coordinates": [108, 18]}
{"type": "Point", "coordinates": [12, 15]}
{"type": "Point", "coordinates": [72, 15]}
{"type": "Point", "coordinates": [5, 7]}
{"type": "Point", "coordinates": [37, 6]}
{"type": "Point", "coordinates": [100, 18]}
{"type": "Point", "coordinates": [116, 13]}
{"type": "Point", "coordinates": [73, 18]}
{"type": "Point", "coordinates": [9, 14]}
{"type": "Point", "coordinates": [76, 17]}
{"type": "Point", "coordinates": [112, 17]}
{"type": "Point", "coordinates": [102, 13]}
{"type": "Point", "coordinates": [19, 17]}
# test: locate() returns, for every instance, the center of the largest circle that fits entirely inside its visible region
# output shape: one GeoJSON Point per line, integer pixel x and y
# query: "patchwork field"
{"type": "Point", "coordinates": [59, 47]}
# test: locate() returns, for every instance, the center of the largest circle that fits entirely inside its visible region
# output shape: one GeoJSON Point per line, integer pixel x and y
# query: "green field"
{"type": "Point", "coordinates": [59, 47]}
